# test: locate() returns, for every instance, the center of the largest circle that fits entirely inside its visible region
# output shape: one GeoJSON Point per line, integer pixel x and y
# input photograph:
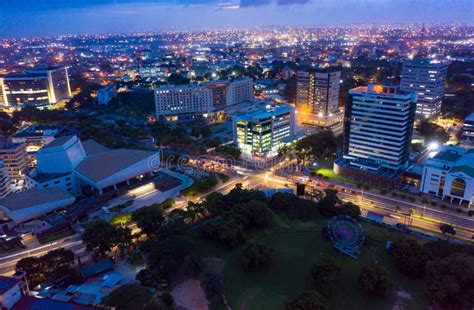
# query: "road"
{"type": "Point", "coordinates": [425, 218]}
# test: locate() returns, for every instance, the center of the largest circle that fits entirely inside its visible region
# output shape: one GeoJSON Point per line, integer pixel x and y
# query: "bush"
{"type": "Point", "coordinates": [410, 257]}
{"type": "Point", "coordinates": [459, 210]}
{"type": "Point", "coordinates": [443, 206]}
{"type": "Point", "coordinates": [375, 280]}
{"type": "Point", "coordinates": [424, 200]}
{"type": "Point", "coordinates": [402, 196]}
{"type": "Point", "coordinates": [394, 194]}
{"type": "Point", "coordinates": [311, 300]}
{"type": "Point", "coordinates": [470, 212]}
{"type": "Point", "coordinates": [412, 199]}
{"type": "Point", "coordinates": [256, 257]}
{"type": "Point", "coordinates": [383, 191]}
{"type": "Point", "coordinates": [367, 186]}
{"type": "Point", "coordinates": [434, 203]}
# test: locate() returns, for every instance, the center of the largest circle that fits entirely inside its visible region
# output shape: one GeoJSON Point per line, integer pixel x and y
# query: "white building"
{"type": "Point", "coordinates": [450, 175]}
{"type": "Point", "coordinates": [378, 129]}
{"type": "Point", "coordinates": [261, 133]}
{"type": "Point", "coordinates": [69, 164]}
{"type": "Point", "coordinates": [468, 129]}
{"type": "Point", "coordinates": [105, 94]}
{"type": "Point", "coordinates": [5, 183]}
{"type": "Point", "coordinates": [425, 77]}
{"type": "Point", "coordinates": [186, 102]}
{"type": "Point", "coordinates": [240, 90]}
{"type": "Point", "coordinates": [34, 203]}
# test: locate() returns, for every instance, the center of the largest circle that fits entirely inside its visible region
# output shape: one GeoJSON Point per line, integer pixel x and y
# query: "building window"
{"type": "Point", "coordinates": [458, 187]}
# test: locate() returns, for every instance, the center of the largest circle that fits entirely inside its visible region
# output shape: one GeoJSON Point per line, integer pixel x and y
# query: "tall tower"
{"type": "Point", "coordinates": [425, 77]}
{"type": "Point", "coordinates": [317, 98]}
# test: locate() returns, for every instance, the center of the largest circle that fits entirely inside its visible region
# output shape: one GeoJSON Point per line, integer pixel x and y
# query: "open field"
{"type": "Point", "coordinates": [296, 246]}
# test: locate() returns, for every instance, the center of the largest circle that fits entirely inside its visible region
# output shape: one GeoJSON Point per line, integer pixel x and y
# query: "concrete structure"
{"type": "Point", "coordinates": [5, 183]}
{"type": "Point", "coordinates": [188, 102]}
{"type": "Point", "coordinates": [317, 99]}
{"type": "Point", "coordinates": [69, 164]}
{"type": "Point", "coordinates": [240, 90]}
{"type": "Point", "coordinates": [14, 160]}
{"type": "Point", "coordinates": [260, 134]}
{"type": "Point", "coordinates": [378, 130]}
{"type": "Point", "coordinates": [35, 137]}
{"type": "Point", "coordinates": [427, 78]}
{"type": "Point", "coordinates": [34, 203]}
{"type": "Point", "coordinates": [37, 86]}
{"type": "Point", "coordinates": [105, 94]}
{"type": "Point", "coordinates": [468, 129]}
{"type": "Point", "coordinates": [450, 175]}
{"type": "Point", "coordinates": [219, 91]}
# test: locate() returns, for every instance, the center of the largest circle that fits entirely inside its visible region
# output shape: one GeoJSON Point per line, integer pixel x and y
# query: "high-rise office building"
{"type": "Point", "coordinates": [5, 183]}
{"type": "Point", "coordinates": [37, 86]}
{"type": "Point", "coordinates": [317, 98]}
{"type": "Point", "coordinates": [15, 160]}
{"type": "Point", "coordinates": [239, 91]}
{"type": "Point", "coordinates": [378, 130]}
{"type": "Point", "coordinates": [425, 77]}
{"type": "Point", "coordinates": [261, 133]}
{"type": "Point", "coordinates": [176, 103]}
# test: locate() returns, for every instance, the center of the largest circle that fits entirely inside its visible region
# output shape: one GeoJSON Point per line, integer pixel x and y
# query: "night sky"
{"type": "Point", "coordinates": [53, 17]}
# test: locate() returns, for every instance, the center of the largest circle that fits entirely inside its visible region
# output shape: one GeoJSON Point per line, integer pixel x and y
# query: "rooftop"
{"type": "Point", "coordinates": [58, 142]}
{"type": "Point", "coordinates": [93, 147]}
{"type": "Point", "coordinates": [470, 117]}
{"type": "Point", "coordinates": [6, 283]}
{"type": "Point", "coordinates": [99, 267]}
{"type": "Point", "coordinates": [32, 303]}
{"type": "Point", "coordinates": [265, 112]}
{"type": "Point", "coordinates": [45, 177]}
{"type": "Point", "coordinates": [34, 197]}
{"type": "Point", "coordinates": [102, 165]}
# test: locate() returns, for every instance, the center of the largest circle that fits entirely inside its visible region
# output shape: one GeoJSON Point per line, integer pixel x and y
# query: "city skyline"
{"type": "Point", "coordinates": [34, 18]}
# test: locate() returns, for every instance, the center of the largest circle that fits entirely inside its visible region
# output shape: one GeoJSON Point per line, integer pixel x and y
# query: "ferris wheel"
{"type": "Point", "coordinates": [346, 235]}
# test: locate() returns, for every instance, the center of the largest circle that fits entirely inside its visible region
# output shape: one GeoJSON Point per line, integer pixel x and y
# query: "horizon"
{"type": "Point", "coordinates": [76, 17]}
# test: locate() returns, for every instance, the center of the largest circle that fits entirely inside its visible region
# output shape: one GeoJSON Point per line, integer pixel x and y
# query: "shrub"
{"type": "Point", "coordinates": [470, 212]}
{"type": "Point", "coordinates": [443, 206]}
{"type": "Point", "coordinates": [394, 194]}
{"type": "Point", "coordinates": [424, 200]}
{"type": "Point", "coordinates": [434, 203]}
{"type": "Point", "coordinates": [383, 191]}
{"type": "Point", "coordinates": [459, 210]}
{"type": "Point", "coordinates": [256, 256]}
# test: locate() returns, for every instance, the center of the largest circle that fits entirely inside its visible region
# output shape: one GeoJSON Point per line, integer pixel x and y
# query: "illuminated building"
{"type": "Point", "coordinates": [15, 160]}
{"type": "Point", "coordinates": [426, 78]}
{"type": "Point", "coordinates": [37, 87]}
{"type": "Point", "coordinates": [468, 129]}
{"type": "Point", "coordinates": [5, 183]}
{"type": "Point", "coordinates": [187, 102]}
{"type": "Point", "coordinates": [450, 175]}
{"type": "Point", "coordinates": [261, 133]}
{"type": "Point", "coordinates": [317, 99]}
{"type": "Point", "coordinates": [219, 93]}
{"type": "Point", "coordinates": [239, 91]}
{"type": "Point", "coordinates": [378, 130]}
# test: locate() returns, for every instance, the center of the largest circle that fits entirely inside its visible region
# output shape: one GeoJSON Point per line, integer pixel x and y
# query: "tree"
{"type": "Point", "coordinates": [450, 281]}
{"type": "Point", "coordinates": [447, 229]}
{"type": "Point", "coordinates": [177, 79]}
{"type": "Point", "coordinates": [311, 300]}
{"type": "Point", "coordinates": [53, 265]}
{"type": "Point", "coordinates": [100, 237]}
{"type": "Point", "coordinates": [225, 231]}
{"type": "Point", "coordinates": [324, 274]}
{"type": "Point", "coordinates": [350, 209]}
{"type": "Point", "coordinates": [433, 133]}
{"type": "Point", "coordinates": [375, 280]}
{"type": "Point", "coordinates": [410, 257]}
{"type": "Point", "coordinates": [256, 256]}
{"type": "Point", "coordinates": [149, 219]}
{"type": "Point", "coordinates": [252, 214]}
{"type": "Point", "coordinates": [318, 145]}
{"type": "Point", "coordinates": [213, 287]}
{"type": "Point", "coordinates": [293, 206]}
{"type": "Point", "coordinates": [231, 151]}
{"type": "Point", "coordinates": [149, 278]}
{"type": "Point", "coordinates": [130, 297]}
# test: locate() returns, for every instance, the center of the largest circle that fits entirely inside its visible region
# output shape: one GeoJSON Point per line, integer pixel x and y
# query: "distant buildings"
{"type": "Point", "coordinates": [38, 87]}
{"type": "Point", "coordinates": [378, 131]}
{"type": "Point", "coordinates": [450, 175]}
{"type": "Point", "coordinates": [260, 134]}
{"type": "Point", "coordinates": [105, 94]}
{"type": "Point", "coordinates": [426, 78]}
{"type": "Point", "coordinates": [317, 98]}
{"type": "Point", "coordinates": [188, 102]}
{"type": "Point", "coordinates": [468, 129]}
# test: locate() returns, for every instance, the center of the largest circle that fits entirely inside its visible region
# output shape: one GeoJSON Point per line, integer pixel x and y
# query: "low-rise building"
{"type": "Point", "coordinates": [450, 175]}
{"type": "Point", "coordinates": [261, 133]}
{"type": "Point", "coordinates": [34, 203]}
{"type": "Point", "coordinates": [69, 164]}
{"type": "Point", "coordinates": [105, 94]}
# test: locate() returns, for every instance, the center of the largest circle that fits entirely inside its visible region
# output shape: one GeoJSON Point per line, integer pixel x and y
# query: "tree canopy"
{"type": "Point", "coordinates": [375, 280]}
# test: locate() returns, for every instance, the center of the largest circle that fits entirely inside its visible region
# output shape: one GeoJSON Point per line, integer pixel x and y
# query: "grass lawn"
{"type": "Point", "coordinates": [296, 246]}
